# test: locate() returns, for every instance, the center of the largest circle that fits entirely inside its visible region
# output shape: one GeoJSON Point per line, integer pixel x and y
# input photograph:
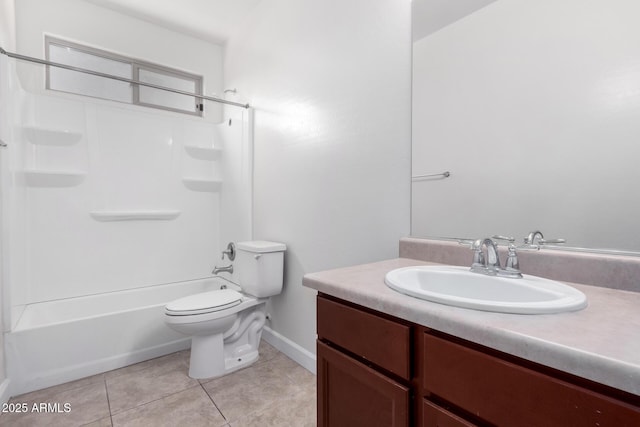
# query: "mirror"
{"type": "Point", "coordinates": [534, 110]}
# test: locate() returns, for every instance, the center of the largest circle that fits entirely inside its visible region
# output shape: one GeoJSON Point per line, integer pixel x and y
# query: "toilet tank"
{"type": "Point", "coordinates": [260, 266]}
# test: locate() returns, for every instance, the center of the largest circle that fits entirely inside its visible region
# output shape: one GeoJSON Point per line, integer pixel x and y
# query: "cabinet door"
{"type": "Point", "coordinates": [351, 394]}
{"type": "Point", "coordinates": [435, 416]}
{"type": "Point", "coordinates": [505, 394]}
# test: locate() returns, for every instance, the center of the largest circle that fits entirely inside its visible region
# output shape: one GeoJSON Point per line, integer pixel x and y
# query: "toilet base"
{"type": "Point", "coordinates": [202, 365]}
{"type": "Point", "coordinates": [215, 355]}
{"type": "Point", "coordinates": [233, 364]}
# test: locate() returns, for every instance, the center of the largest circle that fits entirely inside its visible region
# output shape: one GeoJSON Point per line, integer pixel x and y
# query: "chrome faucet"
{"type": "Point", "coordinates": [531, 238]}
{"type": "Point", "coordinates": [227, 269]}
{"type": "Point", "coordinates": [490, 265]}
{"type": "Point", "coordinates": [230, 252]}
{"type": "Point", "coordinates": [535, 239]}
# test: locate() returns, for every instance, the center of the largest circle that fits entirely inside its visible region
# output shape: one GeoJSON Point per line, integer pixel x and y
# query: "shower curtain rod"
{"type": "Point", "coordinates": [122, 79]}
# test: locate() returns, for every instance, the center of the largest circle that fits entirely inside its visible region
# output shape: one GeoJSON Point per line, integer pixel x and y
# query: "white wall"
{"type": "Point", "coordinates": [7, 24]}
{"type": "Point", "coordinates": [330, 82]}
{"type": "Point", "coordinates": [7, 41]}
{"type": "Point", "coordinates": [533, 106]}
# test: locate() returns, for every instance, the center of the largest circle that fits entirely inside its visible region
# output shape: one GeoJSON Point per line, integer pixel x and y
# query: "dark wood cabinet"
{"type": "Point", "coordinates": [372, 337]}
{"type": "Point", "coordinates": [435, 416]}
{"type": "Point", "coordinates": [351, 394]}
{"type": "Point", "coordinates": [363, 368]}
{"type": "Point", "coordinates": [376, 370]}
{"type": "Point", "coordinates": [503, 393]}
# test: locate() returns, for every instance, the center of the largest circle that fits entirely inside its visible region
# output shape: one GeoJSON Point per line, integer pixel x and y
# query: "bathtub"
{"type": "Point", "coordinates": [59, 341]}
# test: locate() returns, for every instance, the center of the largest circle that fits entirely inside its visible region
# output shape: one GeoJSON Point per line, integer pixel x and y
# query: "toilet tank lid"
{"type": "Point", "coordinates": [261, 246]}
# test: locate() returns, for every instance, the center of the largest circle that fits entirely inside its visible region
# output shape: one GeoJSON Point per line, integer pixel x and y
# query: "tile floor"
{"type": "Point", "coordinates": [274, 391]}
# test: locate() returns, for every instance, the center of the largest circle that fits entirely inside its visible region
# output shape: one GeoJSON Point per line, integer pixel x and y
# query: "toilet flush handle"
{"type": "Point", "coordinates": [257, 256]}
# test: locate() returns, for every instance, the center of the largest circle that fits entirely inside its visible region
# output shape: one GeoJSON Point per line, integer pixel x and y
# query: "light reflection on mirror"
{"type": "Point", "coordinates": [533, 107]}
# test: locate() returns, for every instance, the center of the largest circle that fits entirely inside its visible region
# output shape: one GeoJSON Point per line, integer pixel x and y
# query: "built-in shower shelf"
{"type": "Point", "coordinates": [53, 137]}
{"type": "Point", "coordinates": [53, 178]}
{"type": "Point", "coordinates": [206, 185]}
{"type": "Point", "coordinates": [134, 215]}
{"type": "Point", "coordinates": [203, 153]}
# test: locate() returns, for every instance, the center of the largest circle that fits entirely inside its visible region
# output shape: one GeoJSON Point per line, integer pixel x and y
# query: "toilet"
{"type": "Point", "coordinates": [225, 325]}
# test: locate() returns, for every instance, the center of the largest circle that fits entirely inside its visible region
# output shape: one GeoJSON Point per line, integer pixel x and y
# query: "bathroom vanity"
{"type": "Point", "coordinates": [387, 359]}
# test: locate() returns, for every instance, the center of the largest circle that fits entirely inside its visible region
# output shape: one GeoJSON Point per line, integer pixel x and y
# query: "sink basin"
{"type": "Point", "coordinates": [460, 287]}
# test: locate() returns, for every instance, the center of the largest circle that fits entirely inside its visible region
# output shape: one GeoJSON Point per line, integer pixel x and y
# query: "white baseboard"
{"type": "Point", "coordinates": [5, 392]}
{"type": "Point", "coordinates": [24, 382]}
{"type": "Point", "coordinates": [302, 356]}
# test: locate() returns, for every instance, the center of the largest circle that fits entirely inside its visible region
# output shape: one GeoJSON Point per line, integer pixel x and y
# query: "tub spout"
{"type": "Point", "coordinates": [227, 269]}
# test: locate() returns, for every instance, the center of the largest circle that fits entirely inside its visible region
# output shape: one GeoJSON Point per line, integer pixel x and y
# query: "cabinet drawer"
{"type": "Point", "coordinates": [374, 338]}
{"type": "Point", "coordinates": [506, 394]}
{"type": "Point", "coordinates": [435, 416]}
{"type": "Point", "coordinates": [352, 394]}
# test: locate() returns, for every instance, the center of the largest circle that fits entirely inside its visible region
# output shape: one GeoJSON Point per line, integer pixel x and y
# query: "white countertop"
{"type": "Point", "coordinates": [600, 342]}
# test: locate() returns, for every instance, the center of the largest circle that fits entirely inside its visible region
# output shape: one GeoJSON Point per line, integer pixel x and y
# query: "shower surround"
{"type": "Point", "coordinates": [102, 200]}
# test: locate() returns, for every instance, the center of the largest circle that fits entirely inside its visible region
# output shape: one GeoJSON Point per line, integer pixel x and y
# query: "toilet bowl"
{"type": "Point", "coordinates": [225, 325]}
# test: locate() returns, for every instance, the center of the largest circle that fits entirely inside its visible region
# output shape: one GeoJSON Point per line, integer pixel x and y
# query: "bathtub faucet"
{"type": "Point", "coordinates": [227, 269]}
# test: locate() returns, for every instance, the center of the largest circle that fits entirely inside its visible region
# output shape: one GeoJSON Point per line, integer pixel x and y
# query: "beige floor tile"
{"type": "Point", "coordinates": [281, 363]}
{"type": "Point", "coordinates": [87, 404]}
{"type": "Point", "coordinates": [104, 422]}
{"type": "Point", "coordinates": [296, 411]}
{"type": "Point", "coordinates": [291, 369]}
{"type": "Point", "coordinates": [266, 351]}
{"type": "Point", "coordinates": [191, 407]}
{"type": "Point", "coordinates": [46, 393]}
{"type": "Point", "coordinates": [180, 358]}
{"type": "Point", "coordinates": [250, 390]}
{"type": "Point", "coordinates": [275, 391]}
{"type": "Point", "coordinates": [160, 378]}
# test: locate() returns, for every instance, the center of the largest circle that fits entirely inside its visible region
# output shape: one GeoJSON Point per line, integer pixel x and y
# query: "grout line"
{"type": "Point", "coordinates": [214, 403]}
{"type": "Point", "coordinates": [154, 400]}
{"type": "Point", "coordinates": [106, 389]}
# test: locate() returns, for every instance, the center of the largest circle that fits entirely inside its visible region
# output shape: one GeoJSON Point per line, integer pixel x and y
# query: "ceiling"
{"type": "Point", "coordinates": [428, 16]}
{"type": "Point", "coordinates": [216, 20]}
{"type": "Point", "coordinates": [210, 20]}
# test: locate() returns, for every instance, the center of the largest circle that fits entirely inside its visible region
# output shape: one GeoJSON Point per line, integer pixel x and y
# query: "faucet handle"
{"type": "Point", "coordinates": [476, 247]}
{"type": "Point", "coordinates": [512, 266]}
{"type": "Point", "coordinates": [551, 241]}
{"type": "Point", "coordinates": [230, 252]}
{"type": "Point", "coordinates": [528, 247]}
{"type": "Point", "coordinates": [535, 240]}
{"type": "Point", "coordinates": [466, 242]}
{"type": "Point", "coordinates": [512, 259]}
{"type": "Point", "coordinates": [505, 238]}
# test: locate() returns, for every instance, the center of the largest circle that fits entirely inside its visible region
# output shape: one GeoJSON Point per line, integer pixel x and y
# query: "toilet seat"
{"type": "Point", "coordinates": [203, 303]}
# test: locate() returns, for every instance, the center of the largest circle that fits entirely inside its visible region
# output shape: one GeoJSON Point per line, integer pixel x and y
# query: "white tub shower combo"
{"type": "Point", "coordinates": [110, 211]}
